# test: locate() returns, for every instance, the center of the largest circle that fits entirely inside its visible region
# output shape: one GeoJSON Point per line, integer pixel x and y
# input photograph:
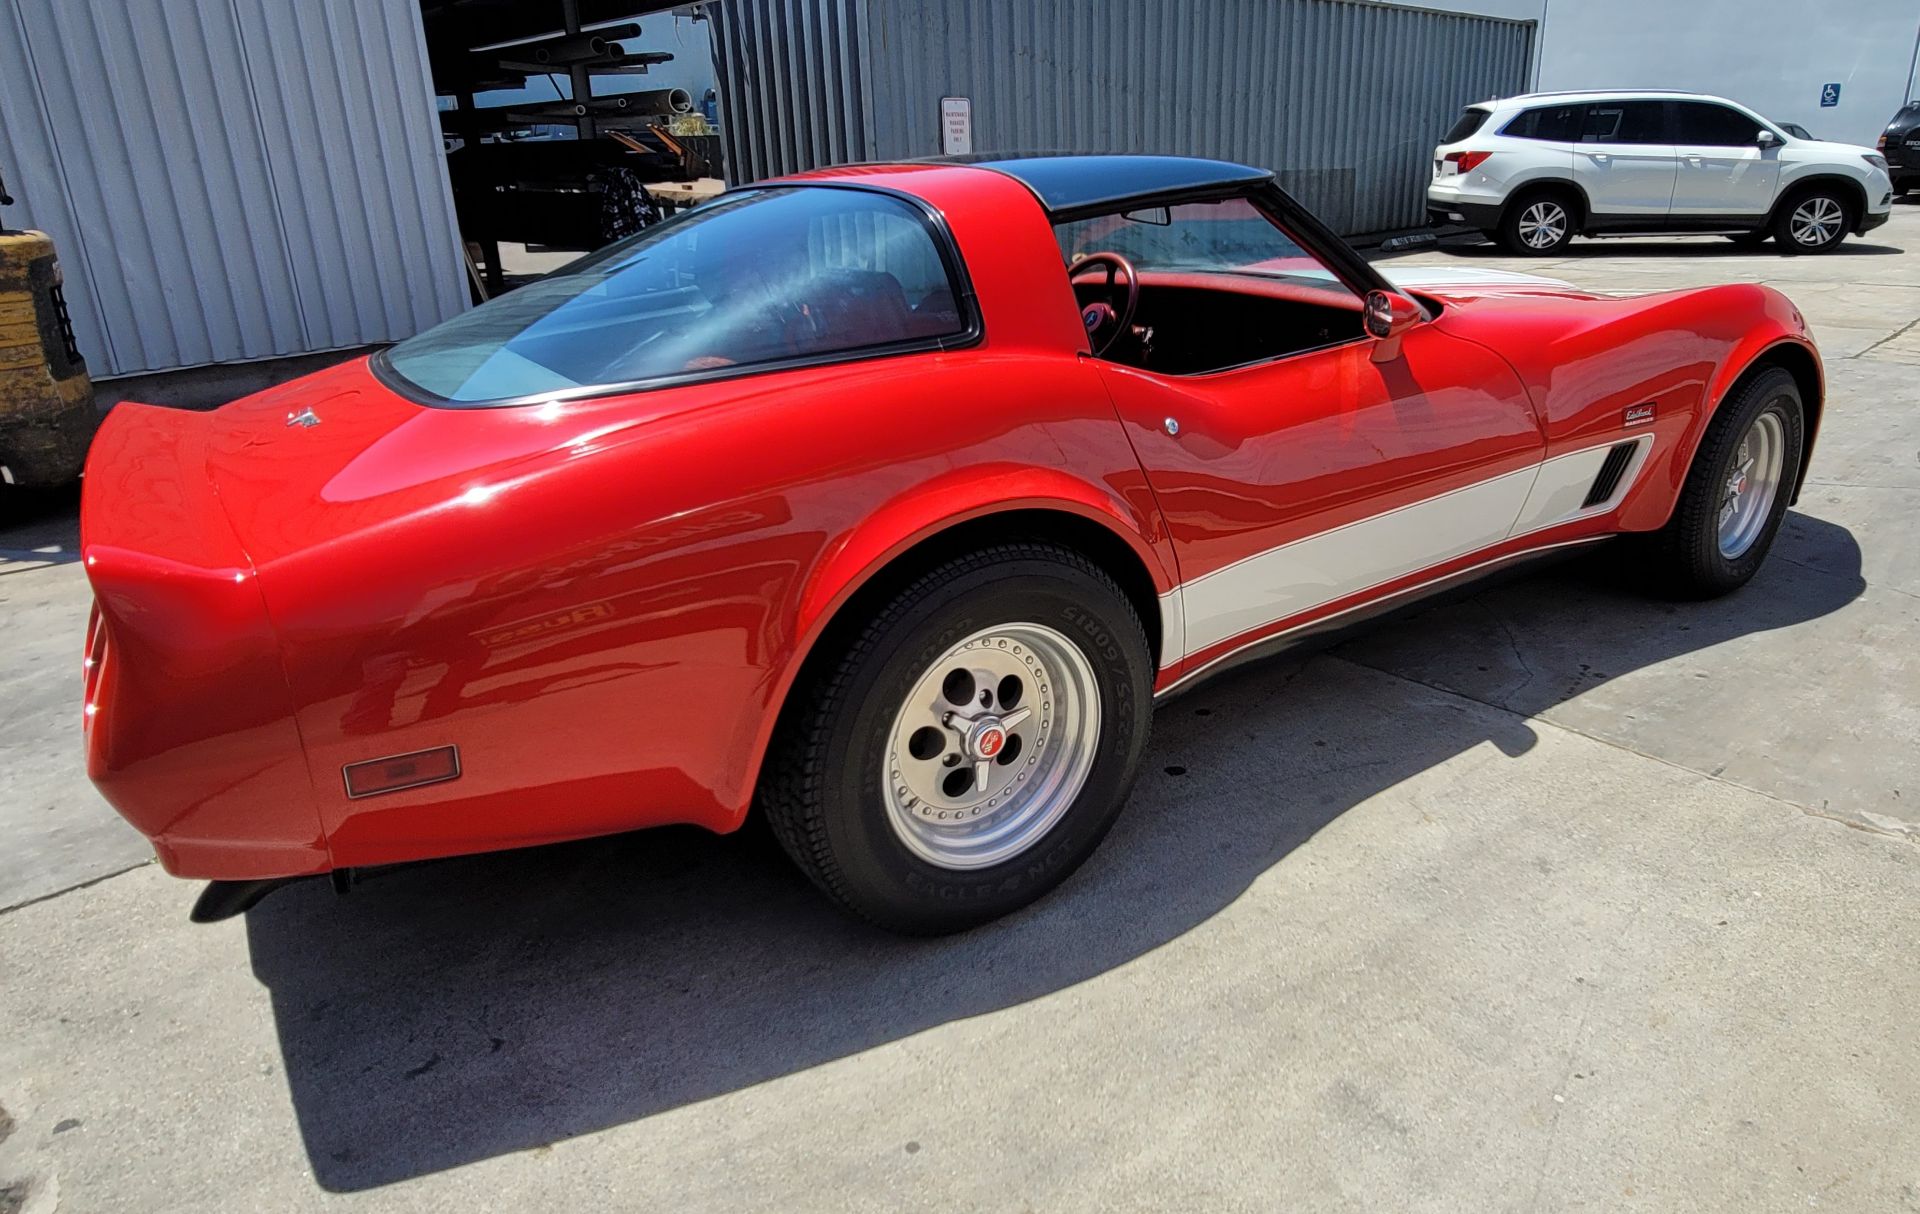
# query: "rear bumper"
{"type": "Point", "coordinates": [1482, 215]}
{"type": "Point", "coordinates": [188, 724]}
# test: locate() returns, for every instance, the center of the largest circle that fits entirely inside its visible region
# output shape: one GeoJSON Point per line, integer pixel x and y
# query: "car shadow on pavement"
{"type": "Point", "coordinates": [448, 1013]}
{"type": "Point", "coordinates": [39, 526]}
{"type": "Point", "coordinates": [1668, 247]}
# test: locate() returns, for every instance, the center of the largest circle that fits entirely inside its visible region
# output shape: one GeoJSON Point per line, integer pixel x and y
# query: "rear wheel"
{"type": "Point", "coordinates": [1736, 491]}
{"type": "Point", "coordinates": [1537, 223]}
{"type": "Point", "coordinates": [1813, 221]}
{"type": "Point", "coordinates": [971, 745]}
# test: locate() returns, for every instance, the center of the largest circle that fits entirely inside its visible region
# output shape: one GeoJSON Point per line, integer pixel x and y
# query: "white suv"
{"type": "Point", "coordinates": [1535, 171]}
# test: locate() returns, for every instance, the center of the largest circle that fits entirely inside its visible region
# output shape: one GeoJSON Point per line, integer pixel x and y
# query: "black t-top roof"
{"type": "Point", "coordinates": [1067, 182]}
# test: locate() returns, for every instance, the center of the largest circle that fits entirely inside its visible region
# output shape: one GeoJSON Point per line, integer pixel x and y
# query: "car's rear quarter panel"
{"type": "Point", "coordinates": [605, 629]}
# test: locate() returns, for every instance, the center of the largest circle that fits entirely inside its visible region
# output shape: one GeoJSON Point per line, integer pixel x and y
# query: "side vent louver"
{"type": "Point", "coordinates": [1611, 471]}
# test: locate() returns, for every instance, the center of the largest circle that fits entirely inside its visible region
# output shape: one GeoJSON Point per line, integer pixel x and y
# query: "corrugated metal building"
{"type": "Point", "coordinates": [236, 180]}
{"type": "Point", "coordinates": [1346, 99]}
{"type": "Point", "coordinates": [229, 179]}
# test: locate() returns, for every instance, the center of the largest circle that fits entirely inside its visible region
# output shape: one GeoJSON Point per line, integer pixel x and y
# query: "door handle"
{"type": "Point", "coordinates": [1600, 157]}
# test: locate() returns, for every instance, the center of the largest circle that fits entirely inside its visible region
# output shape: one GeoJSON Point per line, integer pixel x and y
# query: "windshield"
{"type": "Point", "coordinates": [1230, 236]}
{"type": "Point", "coordinates": [752, 280]}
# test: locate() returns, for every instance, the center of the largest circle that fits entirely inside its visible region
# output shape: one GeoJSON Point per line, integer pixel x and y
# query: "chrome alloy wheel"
{"type": "Point", "coordinates": [1543, 225]}
{"type": "Point", "coordinates": [1752, 485]}
{"type": "Point", "coordinates": [1816, 221]}
{"type": "Point", "coordinates": [992, 746]}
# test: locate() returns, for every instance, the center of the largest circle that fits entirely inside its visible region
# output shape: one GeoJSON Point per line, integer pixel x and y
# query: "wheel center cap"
{"type": "Point", "coordinates": [987, 739]}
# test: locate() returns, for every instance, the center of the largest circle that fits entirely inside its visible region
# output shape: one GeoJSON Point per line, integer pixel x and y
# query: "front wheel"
{"type": "Point", "coordinates": [1813, 222]}
{"type": "Point", "coordinates": [970, 746]}
{"type": "Point", "coordinates": [1736, 491]}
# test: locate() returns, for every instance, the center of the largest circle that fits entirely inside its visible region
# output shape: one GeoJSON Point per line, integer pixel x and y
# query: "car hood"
{"type": "Point", "coordinates": [1844, 152]}
{"type": "Point", "coordinates": [1469, 282]}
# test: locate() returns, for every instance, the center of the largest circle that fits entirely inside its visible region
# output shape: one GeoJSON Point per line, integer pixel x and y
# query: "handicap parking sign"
{"type": "Point", "coordinates": [1829, 96]}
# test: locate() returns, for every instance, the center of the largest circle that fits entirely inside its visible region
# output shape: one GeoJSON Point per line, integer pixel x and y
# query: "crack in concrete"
{"type": "Point", "coordinates": [1833, 574]}
{"type": "Point", "coordinates": [1813, 484]}
{"type": "Point", "coordinates": [1900, 332]}
{"type": "Point", "coordinates": [1513, 643]}
{"type": "Point", "coordinates": [1904, 831]}
{"type": "Point", "coordinates": [60, 893]}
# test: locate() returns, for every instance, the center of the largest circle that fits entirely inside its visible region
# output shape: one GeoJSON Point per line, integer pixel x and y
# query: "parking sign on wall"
{"type": "Point", "coordinates": [1829, 96]}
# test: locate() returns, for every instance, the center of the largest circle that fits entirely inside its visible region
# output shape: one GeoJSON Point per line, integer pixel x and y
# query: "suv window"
{"type": "Point", "coordinates": [1625, 122]}
{"type": "Point", "coordinates": [1470, 120]}
{"type": "Point", "coordinates": [756, 278]}
{"type": "Point", "coordinates": [1555, 123]}
{"type": "Point", "coordinates": [1709, 125]}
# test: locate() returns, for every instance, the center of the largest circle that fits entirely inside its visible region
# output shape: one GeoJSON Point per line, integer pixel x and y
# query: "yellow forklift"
{"type": "Point", "coordinates": [47, 415]}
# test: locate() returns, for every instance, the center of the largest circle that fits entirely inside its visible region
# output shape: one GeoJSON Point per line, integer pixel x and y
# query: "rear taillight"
{"type": "Point", "coordinates": [1466, 162]}
{"type": "Point", "coordinates": [1882, 145]}
{"type": "Point", "coordinates": [93, 666]}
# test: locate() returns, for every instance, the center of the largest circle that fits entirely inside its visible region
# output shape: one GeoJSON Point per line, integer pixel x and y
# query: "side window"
{"type": "Point", "coordinates": [1230, 236]}
{"type": "Point", "coordinates": [861, 258]}
{"type": "Point", "coordinates": [1552, 123]}
{"type": "Point", "coordinates": [1625, 122]}
{"type": "Point", "coordinates": [1709, 125]}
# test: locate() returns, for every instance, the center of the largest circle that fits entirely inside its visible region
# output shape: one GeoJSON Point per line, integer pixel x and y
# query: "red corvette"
{"type": "Point", "coordinates": [884, 501]}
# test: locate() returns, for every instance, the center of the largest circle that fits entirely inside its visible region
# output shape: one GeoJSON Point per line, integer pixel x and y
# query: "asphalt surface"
{"type": "Point", "coordinates": [1548, 898]}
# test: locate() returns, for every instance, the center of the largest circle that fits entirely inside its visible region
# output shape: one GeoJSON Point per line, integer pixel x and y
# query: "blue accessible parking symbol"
{"type": "Point", "coordinates": [1829, 96]}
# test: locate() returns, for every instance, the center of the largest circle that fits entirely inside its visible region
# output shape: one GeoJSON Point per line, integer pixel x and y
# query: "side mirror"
{"type": "Point", "coordinates": [1765, 139]}
{"type": "Point", "coordinates": [1389, 315]}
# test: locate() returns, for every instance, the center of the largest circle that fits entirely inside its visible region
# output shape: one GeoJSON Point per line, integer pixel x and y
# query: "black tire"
{"type": "Point", "coordinates": [1820, 200]}
{"type": "Point", "coordinates": [1538, 206]}
{"type": "Point", "coordinates": [822, 790]}
{"type": "Point", "coordinates": [1686, 560]}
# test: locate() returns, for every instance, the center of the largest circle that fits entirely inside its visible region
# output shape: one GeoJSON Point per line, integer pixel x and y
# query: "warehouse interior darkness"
{"type": "Point", "coordinates": [559, 133]}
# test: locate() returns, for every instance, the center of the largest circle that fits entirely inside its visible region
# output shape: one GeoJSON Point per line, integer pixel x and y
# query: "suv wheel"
{"type": "Point", "coordinates": [1537, 223]}
{"type": "Point", "coordinates": [1812, 222]}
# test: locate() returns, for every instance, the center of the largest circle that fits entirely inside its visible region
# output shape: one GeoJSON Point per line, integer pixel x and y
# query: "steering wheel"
{"type": "Point", "coordinates": [1101, 317]}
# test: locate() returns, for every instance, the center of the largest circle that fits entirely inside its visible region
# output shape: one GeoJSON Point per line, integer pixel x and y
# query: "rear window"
{"type": "Point", "coordinates": [755, 279]}
{"type": "Point", "coordinates": [1554, 123]}
{"type": "Point", "coordinates": [1470, 120]}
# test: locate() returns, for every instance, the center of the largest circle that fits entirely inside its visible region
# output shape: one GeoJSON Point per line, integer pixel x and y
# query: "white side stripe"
{"type": "Point", "coordinates": [1564, 481]}
{"type": "Point", "coordinates": [1274, 638]}
{"type": "Point", "coordinates": [1306, 573]}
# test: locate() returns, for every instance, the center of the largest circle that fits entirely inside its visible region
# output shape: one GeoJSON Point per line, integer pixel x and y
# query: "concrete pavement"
{"type": "Point", "coordinates": [1550, 898]}
{"type": "Point", "coordinates": [55, 831]}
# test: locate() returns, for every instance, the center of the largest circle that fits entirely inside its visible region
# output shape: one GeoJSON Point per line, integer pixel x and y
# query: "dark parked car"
{"type": "Point", "coordinates": [1901, 146]}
